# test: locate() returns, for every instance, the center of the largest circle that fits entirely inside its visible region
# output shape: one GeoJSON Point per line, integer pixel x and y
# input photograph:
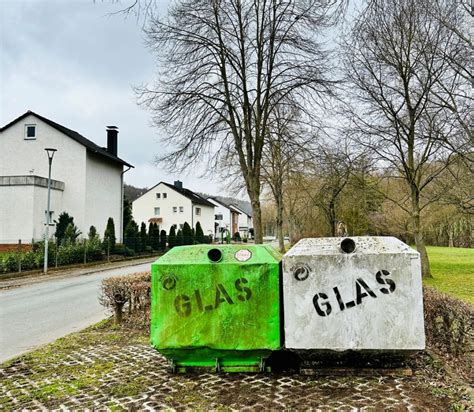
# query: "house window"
{"type": "Point", "coordinates": [198, 211]}
{"type": "Point", "coordinates": [175, 209]}
{"type": "Point", "coordinates": [158, 195]}
{"type": "Point", "coordinates": [181, 209]}
{"type": "Point", "coordinates": [30, 131]}
{"type": "Point", "coordinates": [157, 211]}
{"type": "Point", "coordinates": [218, 217]}
{"type": "Point", "coordinates": [165, 195]}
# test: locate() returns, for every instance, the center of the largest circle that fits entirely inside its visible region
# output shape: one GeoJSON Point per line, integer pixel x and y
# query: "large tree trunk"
{"type": "Point", "coordinates": [418, 234]}
{"type": "Point", "coordinates": [252, 183]}
{"type": "Point", "coordinates": [257, 221]}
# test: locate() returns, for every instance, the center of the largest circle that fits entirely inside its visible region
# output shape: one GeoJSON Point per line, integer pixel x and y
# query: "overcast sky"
{"type": "Point", "coordinates": [72, 62]}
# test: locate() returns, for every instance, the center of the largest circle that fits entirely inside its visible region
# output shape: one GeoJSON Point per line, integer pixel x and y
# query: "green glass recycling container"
{"type": "Point", "coordinates": [216, 307]}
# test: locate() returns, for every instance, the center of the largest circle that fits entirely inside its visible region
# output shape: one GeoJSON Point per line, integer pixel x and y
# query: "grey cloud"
{"type": "Point", "coordinates": [74, 63]}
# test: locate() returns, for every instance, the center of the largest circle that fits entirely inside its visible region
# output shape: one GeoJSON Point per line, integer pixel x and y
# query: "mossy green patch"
{"type": "Point", "coordinates": [131, 387]}
{"type": "Point", "coordinates": [58, 374]}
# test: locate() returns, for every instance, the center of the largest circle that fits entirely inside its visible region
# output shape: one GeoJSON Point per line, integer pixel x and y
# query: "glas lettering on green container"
{"type": "Point", "coordinates": [184, 303]}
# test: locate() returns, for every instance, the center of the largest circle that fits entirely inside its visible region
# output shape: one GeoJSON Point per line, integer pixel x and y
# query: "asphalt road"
{"type": "Point", "coordinates": [39, 313]}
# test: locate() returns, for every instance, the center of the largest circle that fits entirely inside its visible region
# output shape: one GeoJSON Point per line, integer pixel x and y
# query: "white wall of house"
{"type": "Point", "coordinates": [221, 210]}
{"type": "Point", "coordinates": [91, 191]}
{"type": "Point", "coordinates": [103, 196]}
{"type": "Point", "coordinates": [150, 206]}
{"type": "Point", "coordinates": [20, 156]}
{"type": "Point", "coordinates": [205, 218]}
{"type": "Point", "coordinates": [24, 216]}
{"type": "Point", "coordinates": [13, 212]}
{"type": "Point", "coordinates": [245, 222]}
{"type": "Point", "coordinates": [173, 209]}
{"type": "Point", "coordinates": [40, 200]}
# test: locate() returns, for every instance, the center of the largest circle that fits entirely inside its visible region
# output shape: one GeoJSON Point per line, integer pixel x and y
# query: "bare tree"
{"type": "Point", "coordinates": [328, 173]}
{"type": "Point", "coordinates": [395, 63]}
{"type": "Point", "coordinates": [288, 145]}
{"type": "Point", "coordinates": [225, 66]}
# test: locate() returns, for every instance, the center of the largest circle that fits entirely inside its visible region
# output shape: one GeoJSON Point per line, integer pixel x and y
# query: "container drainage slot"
{"type": "Point", "coordinates": [348, 245]}
{"type": "Point", "coordinates": [214, 255]}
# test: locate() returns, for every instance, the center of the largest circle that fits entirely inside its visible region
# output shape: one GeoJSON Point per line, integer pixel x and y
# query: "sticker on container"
{"type": "Point", "coordinates": [243, 255]}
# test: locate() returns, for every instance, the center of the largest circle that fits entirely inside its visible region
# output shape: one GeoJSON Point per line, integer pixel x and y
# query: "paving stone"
{"type": "Point", "coordinates": [159, 390]}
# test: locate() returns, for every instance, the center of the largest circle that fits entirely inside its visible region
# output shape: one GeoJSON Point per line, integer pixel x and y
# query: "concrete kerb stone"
{"type": "Point", "coordinates": [7, 281]}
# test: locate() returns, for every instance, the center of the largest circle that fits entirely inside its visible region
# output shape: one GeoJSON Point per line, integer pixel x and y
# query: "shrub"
{"type": "Point", "coordinates": [143, 237]}
{"type": "Point", "coordinates": [179, 238]}
{"type": "Point", "coordinates": [72, 233]}
{"type": "Point", "coordinates": [155, 237]}
{"type": "Point", "coordinates": [109, 235]}
{"type": "Point", "coordinates": [92, 233]}
{"type": "Point", "coordinates": [39, 253]}
{"type": "Point", "coordinates": [67, 253]}
{"type": "Point", "coordinates": [115, 293]}
{"type": "Point", "coordinates": [131, 237]}
{"type": "Point", "coordinates": [94, 249]}
{"type": "Point", "coordinates": [172, 237]}
{"type": "Point", "coordinates": [163, 240]}
{"type": "Point", "coordinates": [150, 234]}
{"type": "Point", "coordinates": [64, 220]}
{"type": "Point", "coordinates": [123, 250]}
{"type": "Point", "coordinates": [187, 234]}
{"type": "Point", "coordinates": [199, 233]}
{"type": "Point", "coordinates": [448, 322]}
{"type": "Point", "coordinates": [236, 237]}
{"type": "Point", "coordinates": [9, 262]}
{"type": "Point", "coordinates": [134, 290]}
{"type": "Point", "coordinates": [28, 261]}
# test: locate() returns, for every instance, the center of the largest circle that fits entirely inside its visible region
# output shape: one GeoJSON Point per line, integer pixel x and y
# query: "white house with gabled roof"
{"type": "Point", "coordinates": [226, 217]}
{"type": "Point", "coordinates": [172, 205]}
{"type": "Point", "coordinates": [230, 217]}
{"type": "Point", "coordinates": [245, 221]}
{"type": "Point", "coordinates": [87, 180]}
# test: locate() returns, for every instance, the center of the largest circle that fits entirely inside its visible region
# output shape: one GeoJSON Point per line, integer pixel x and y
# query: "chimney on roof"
{"type": "Point", "coordinates": [178, 184]}
{"type": "Point", "coordinates": [112, 140]}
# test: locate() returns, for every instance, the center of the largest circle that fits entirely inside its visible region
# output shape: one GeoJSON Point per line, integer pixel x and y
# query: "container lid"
{"type": "Point", "coordinates": [352, 245]}
{"type": "Point", "coordinates": [220, 254]}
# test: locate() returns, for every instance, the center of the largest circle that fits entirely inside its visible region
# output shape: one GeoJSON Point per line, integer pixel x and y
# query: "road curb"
{"type": "Point", "coordinates": [35, 277]}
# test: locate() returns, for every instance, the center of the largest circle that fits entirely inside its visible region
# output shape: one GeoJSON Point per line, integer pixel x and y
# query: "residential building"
{"type": "Point", "coordinates": [87, 180]}
{"type": "Point", "coordinates": [231, 216]}
{"type": "Point", "coordinates": [226, 217]}
{"type": "Point", "coordinates": [245, 221]}
{"type": "Point", "coordinates": [172, 205]}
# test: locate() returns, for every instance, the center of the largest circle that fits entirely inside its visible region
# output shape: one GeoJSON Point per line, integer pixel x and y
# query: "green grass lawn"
{"type": "Point", "coordinates": [453, 271]}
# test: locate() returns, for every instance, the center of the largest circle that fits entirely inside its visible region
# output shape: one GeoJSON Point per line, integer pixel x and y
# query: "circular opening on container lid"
{"type": "Point", "coordinates": [348, 245]}
{"type": "Point", "coordinates": [214, 255]}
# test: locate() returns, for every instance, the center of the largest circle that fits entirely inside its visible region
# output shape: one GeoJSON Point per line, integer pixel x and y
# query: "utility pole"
{"type": "Point", "coordinates": [50, 153]}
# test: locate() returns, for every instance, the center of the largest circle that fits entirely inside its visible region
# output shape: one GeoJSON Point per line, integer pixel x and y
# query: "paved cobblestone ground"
{"type": "Point", "coordinates": [133, 376]}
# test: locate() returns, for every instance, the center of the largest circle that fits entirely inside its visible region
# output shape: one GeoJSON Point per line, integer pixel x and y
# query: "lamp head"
{"type": "Point", "coordinates": [50, 151]}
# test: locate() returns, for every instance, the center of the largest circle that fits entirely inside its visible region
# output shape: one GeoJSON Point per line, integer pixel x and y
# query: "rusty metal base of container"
{"type": "Point", "coordinates": [216, 361]}
{"type": "Point", "coordinates": [360, 359]}
{"type": "Point", "coordinates": [347, 371]}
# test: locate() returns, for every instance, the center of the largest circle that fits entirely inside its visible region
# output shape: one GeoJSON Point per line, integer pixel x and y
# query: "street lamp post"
{"type": "Point", "coordinates": [50, 153]}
